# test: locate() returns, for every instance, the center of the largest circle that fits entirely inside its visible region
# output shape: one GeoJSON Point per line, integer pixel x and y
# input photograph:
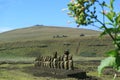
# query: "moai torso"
{"type": "Point", "coordinates": [40, 61]}
{"type": "Point", "coordinates": [44, 60]}
{"type": "Point", "coordinates": [70, 63]}
{"type": "Point", "coordinates": [55, 61]}
{"type": "Point", "coordinates": [37, 61]}
{"type": "Point", "coordinates": [61, 62]}
{"type": "Point", "coordinates": [51, 62]}
{"type": "Point", "coordinates": [65, 59]}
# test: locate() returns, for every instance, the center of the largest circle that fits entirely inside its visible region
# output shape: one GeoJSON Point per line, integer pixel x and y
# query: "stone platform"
{"type": "Point", "coordinates": [58, 73]}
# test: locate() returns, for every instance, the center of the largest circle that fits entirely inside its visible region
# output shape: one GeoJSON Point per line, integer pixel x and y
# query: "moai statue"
{"type": "Point", "coordinates": [45, 65]}
{"type": "Point", "coordinates": [37, 61]}
{"type": "Point", "coordinates": [51, 62]}
{"type": "Point", "coordinates": [65, 62]}
{"type": "Point", "coordinates": [70, 63]}
{"type": "Point", "coordinates": [44, 60]}
{"type": "Point", "coordinates": [39, 58]}
{"type": "Point", "coordinates": [40, 61]}
{"type": "Point", "coordinates": [61, 62]}
{"type": "Point", "coordinates": [55, 61]}
{"type": "Point", "coordinates": [48, 62]}
{"type": "Point", "coordinates": [65, 59]}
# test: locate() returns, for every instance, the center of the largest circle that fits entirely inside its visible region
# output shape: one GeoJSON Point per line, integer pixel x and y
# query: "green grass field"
{"type": "Point", "coordinates": [19, 48]}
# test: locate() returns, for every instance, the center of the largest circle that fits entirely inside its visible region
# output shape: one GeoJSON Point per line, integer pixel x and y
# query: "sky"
{"type": "Point", "coordinates": [16, 14]}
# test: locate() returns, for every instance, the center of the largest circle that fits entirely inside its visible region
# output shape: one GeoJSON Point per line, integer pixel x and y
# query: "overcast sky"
{"type": "Point", "coordinates": [24, 13]}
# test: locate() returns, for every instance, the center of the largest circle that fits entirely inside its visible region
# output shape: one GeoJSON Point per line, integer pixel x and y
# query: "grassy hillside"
{"type": "Point", "coordinates": [42, 40]}
{"type": "Point", "coordinates": [43, 33]}
{"type": "Point", "coordinates": [24, 45]}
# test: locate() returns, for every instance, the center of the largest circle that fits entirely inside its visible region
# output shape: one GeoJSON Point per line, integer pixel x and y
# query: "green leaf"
{"type": "Point", "coordinates": [103, 33]}
{"type": "Point", "coordinates": [102, 27]}
{"type": "Point", "coordinates": [112, 53]}
{"type": "Point", "coordinates": [118, 69]}
{"type": "Point", "coordinates": [118, 39]}
{"type": "Point", "coordinates": [110, 61]}
{"type": "Point", "coordinates": [110, 16]}
{"type": "Point", "coordinates": [111, 4]}
{"type": "Point", "coordinates": [118, 63]}
{"type": "Point", "coordinates": [117, 19]}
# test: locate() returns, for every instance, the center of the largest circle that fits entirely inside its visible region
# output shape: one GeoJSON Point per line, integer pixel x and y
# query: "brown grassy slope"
{"type": "Point", "coordinates": [23, 42]}
{"type": "Point", "coordinates": [43, 33]}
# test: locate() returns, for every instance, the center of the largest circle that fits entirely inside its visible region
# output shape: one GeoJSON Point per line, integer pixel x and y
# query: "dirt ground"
{"type": "Point", "coordinates": [60, 74]}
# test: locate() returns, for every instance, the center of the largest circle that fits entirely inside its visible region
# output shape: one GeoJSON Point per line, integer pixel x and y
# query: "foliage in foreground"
{"type": "Point", "coordinates": [85, 13]}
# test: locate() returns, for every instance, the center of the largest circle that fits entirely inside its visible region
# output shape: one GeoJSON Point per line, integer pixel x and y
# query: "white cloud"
{"type": "Point", "coordinates": [3, 29]}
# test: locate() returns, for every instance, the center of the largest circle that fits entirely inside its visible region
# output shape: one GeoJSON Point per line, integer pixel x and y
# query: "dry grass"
{"type": "Point", "coordinates": [43, 33]}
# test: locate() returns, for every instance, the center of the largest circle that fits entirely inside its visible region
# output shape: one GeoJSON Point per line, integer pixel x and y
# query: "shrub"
{"type": "Point", "coordinates": [82, 35]}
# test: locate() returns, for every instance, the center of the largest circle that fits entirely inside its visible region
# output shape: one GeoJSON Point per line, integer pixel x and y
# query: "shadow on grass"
{"type": "Point", "coordinates": [49, 72]}
{"type": "Point", "coordinates": [57, 73]}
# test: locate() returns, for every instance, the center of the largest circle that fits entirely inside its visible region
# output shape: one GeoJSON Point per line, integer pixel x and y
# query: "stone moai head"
{"type": "Point", "coordinates": [66, 52]}
{"type": "Point", "coordinates": [55, 55]}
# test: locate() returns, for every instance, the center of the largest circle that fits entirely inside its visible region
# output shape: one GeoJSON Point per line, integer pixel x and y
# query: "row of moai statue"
{"type": "Point", "coordinates": [56, 62]}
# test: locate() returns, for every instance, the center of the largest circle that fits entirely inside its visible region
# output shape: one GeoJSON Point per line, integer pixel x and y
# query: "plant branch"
{"type": "Point", "coordinates": [103, 15]}
{"type": "Point", "coordinates": [113, 37]}
{"type": "Point", "coordinates": [108, 31]}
